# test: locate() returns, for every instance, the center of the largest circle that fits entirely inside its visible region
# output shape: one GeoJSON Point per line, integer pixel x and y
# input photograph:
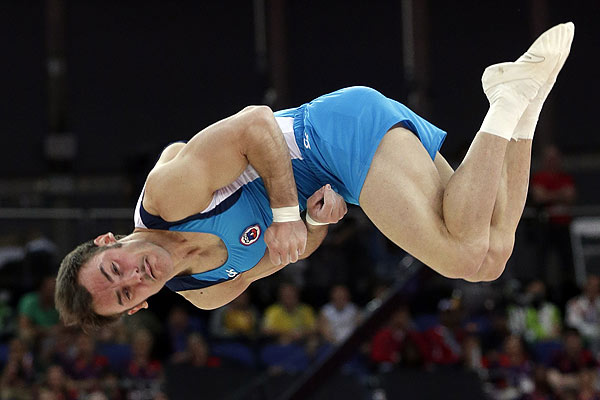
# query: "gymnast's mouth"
{"type": "Point", "coordinates": [148, 269]}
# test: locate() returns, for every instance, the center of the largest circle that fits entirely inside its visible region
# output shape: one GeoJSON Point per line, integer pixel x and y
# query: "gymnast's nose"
{"type": "Point", "coordinates": [134, 277]}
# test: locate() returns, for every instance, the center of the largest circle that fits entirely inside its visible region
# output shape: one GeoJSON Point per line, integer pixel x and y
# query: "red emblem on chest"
{"type": "Point", "coordinates": [250, 235]}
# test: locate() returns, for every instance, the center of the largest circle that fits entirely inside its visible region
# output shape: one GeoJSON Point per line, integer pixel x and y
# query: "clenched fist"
{"type": "Point", "coordinates": [286, 241]}
{"type": "Point", "coordinates": [326, 206]}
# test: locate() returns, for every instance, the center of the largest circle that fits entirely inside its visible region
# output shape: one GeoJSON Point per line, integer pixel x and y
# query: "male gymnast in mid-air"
{"type": "Point", "coordinates": [223, 210]}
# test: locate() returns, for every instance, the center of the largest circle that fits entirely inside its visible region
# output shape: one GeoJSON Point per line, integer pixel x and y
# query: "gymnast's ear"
{"type": "Point", "coordinates": [143, 304]}
{"type": "Point", "coordinates": [105, 239]}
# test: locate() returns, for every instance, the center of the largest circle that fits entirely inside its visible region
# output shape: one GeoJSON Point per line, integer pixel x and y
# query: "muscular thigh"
{"type": "Point", "coordinates": [403, 195]}
{"type": "Point", "coordinates": [444, 169]}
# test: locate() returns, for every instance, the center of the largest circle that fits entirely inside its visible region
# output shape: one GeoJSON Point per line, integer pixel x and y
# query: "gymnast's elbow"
{"type": "Point", "coordinates": [208, 302]}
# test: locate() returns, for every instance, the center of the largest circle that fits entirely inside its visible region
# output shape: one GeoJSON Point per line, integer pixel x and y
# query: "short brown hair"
{"type": "Point", "coordinates": [73, 300]}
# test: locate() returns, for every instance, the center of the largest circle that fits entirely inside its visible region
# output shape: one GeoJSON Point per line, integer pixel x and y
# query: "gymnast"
{"type": "Point", "coordinates": [224, 209]}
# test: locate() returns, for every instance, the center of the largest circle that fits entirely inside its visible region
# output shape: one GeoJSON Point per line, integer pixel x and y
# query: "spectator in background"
{"type": "Point", "coordinates": [144, 374]}
{"type": "Point", "coordinates": [18, 373]}
{"type": "Point", "coordinates": [196, 354]}
{"type": "Point", "coordinates": [143, 365]}
{"type": "Point", "coordinates": [114, 343]}
{"type": "Point", "coordinates": [37, 314]}
{"type": "Point", "coordinates": [179, 326]}
{"type": "Point", "coordinates": [58, 348]}
{"type": "Point", "coordinates": [583, 313]}
{"type": "Point", "coordinates": [111, 386]}
{"type": "Point", "coordinates": [98, 395]}
{"type": "Point", "coordinates": [542, 389]}
{"type": "Point", "coordinates": [536, 319]}
{"type": "Point", "coordinates": [238, 319]}
{"type": "Point", "coordinates": [510, 372]}
{"type": "Point", "coordinates": [85, 366]}
{"type": "Point", "coordinates": [339, 317]}
{"type": "Point", "coordinates": [445, 340]}
{"type": "Point", "coordinates": [553, 191]}
{"type": "Point", "coordinates": [45, 393]}
{"type": "Point", "coordinates": [567, 364]}
{"type": "Point", "coordinates": [57, 385]}
{"type": "Point", "coordinates": [288, 320]}
{"type": "Point", "coordinates": [398, 343]}
{"type": "Point", "coordinates": [588, 385]}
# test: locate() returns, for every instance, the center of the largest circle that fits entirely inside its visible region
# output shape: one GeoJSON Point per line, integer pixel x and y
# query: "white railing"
{"type": "Point", "coordinates": [585, 242]}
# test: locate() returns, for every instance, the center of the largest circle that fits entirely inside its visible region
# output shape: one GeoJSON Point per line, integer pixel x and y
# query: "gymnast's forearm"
{"type": "Point", "coordinates": [266, 150]}
{"type": "Point", "coordinates": [315, 236]}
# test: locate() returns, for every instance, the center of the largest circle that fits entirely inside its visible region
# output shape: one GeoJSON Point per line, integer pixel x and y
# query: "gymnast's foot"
{"type": "Point", "coordinates": [511, 86]}
{"type": "Point", "coordinates": [526, 126]}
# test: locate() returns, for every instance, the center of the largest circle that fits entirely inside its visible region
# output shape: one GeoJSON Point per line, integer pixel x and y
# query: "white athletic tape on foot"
{"type": "Point", "coordinates": [501, 120]}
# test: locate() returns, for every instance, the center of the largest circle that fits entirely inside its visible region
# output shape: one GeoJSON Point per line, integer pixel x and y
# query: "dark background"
{"type": "Point", "coordinates": [141, 74]}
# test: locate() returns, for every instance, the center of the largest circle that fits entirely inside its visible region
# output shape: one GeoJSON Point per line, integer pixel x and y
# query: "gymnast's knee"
{"type": "Point", "coordinates": [471, 258]}
{"type": "Point", "coordinates": [496, 258]}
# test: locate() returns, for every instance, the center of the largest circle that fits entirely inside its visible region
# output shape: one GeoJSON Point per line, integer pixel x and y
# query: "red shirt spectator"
{"type": "Point", "coordinates": [444, 345]}
{"type": "Point", "coordinates": [553, 188]}
{"type": "Point", "coordinates": [445, 340]}
{"type": "Point", "coordinates": [398, 342]}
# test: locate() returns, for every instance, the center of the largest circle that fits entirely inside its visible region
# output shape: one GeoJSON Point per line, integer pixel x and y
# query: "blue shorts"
{"type": "Point", "coordinates": [338, 134]}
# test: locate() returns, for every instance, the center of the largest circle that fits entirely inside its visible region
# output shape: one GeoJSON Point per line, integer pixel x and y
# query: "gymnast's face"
{"type": "Point", "coordinates": [121, 278]}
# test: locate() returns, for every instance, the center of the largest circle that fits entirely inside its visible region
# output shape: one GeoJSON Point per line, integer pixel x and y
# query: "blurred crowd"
{"type": "Point", "coordinates": [522, 345]}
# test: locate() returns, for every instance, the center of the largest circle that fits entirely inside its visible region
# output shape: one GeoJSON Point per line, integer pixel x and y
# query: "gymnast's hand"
{"type": "Point", "coordinates": [286, 241]}
{"type": "Point", "coordinates": [325, 206]}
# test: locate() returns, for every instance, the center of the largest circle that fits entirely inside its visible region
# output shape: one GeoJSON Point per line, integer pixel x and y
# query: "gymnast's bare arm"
{"type": "Point", "coordinates": [215, 157]}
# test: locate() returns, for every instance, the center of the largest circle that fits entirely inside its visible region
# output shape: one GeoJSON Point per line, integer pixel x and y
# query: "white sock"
{"type": "Point", "coordinates": [526, 126]}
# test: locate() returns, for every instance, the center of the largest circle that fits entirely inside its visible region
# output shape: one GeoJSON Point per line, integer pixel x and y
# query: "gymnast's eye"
{"type": "Point", "coordinates": [115, 269]}
{"type": "Point", "coordinates": [127, 293]}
